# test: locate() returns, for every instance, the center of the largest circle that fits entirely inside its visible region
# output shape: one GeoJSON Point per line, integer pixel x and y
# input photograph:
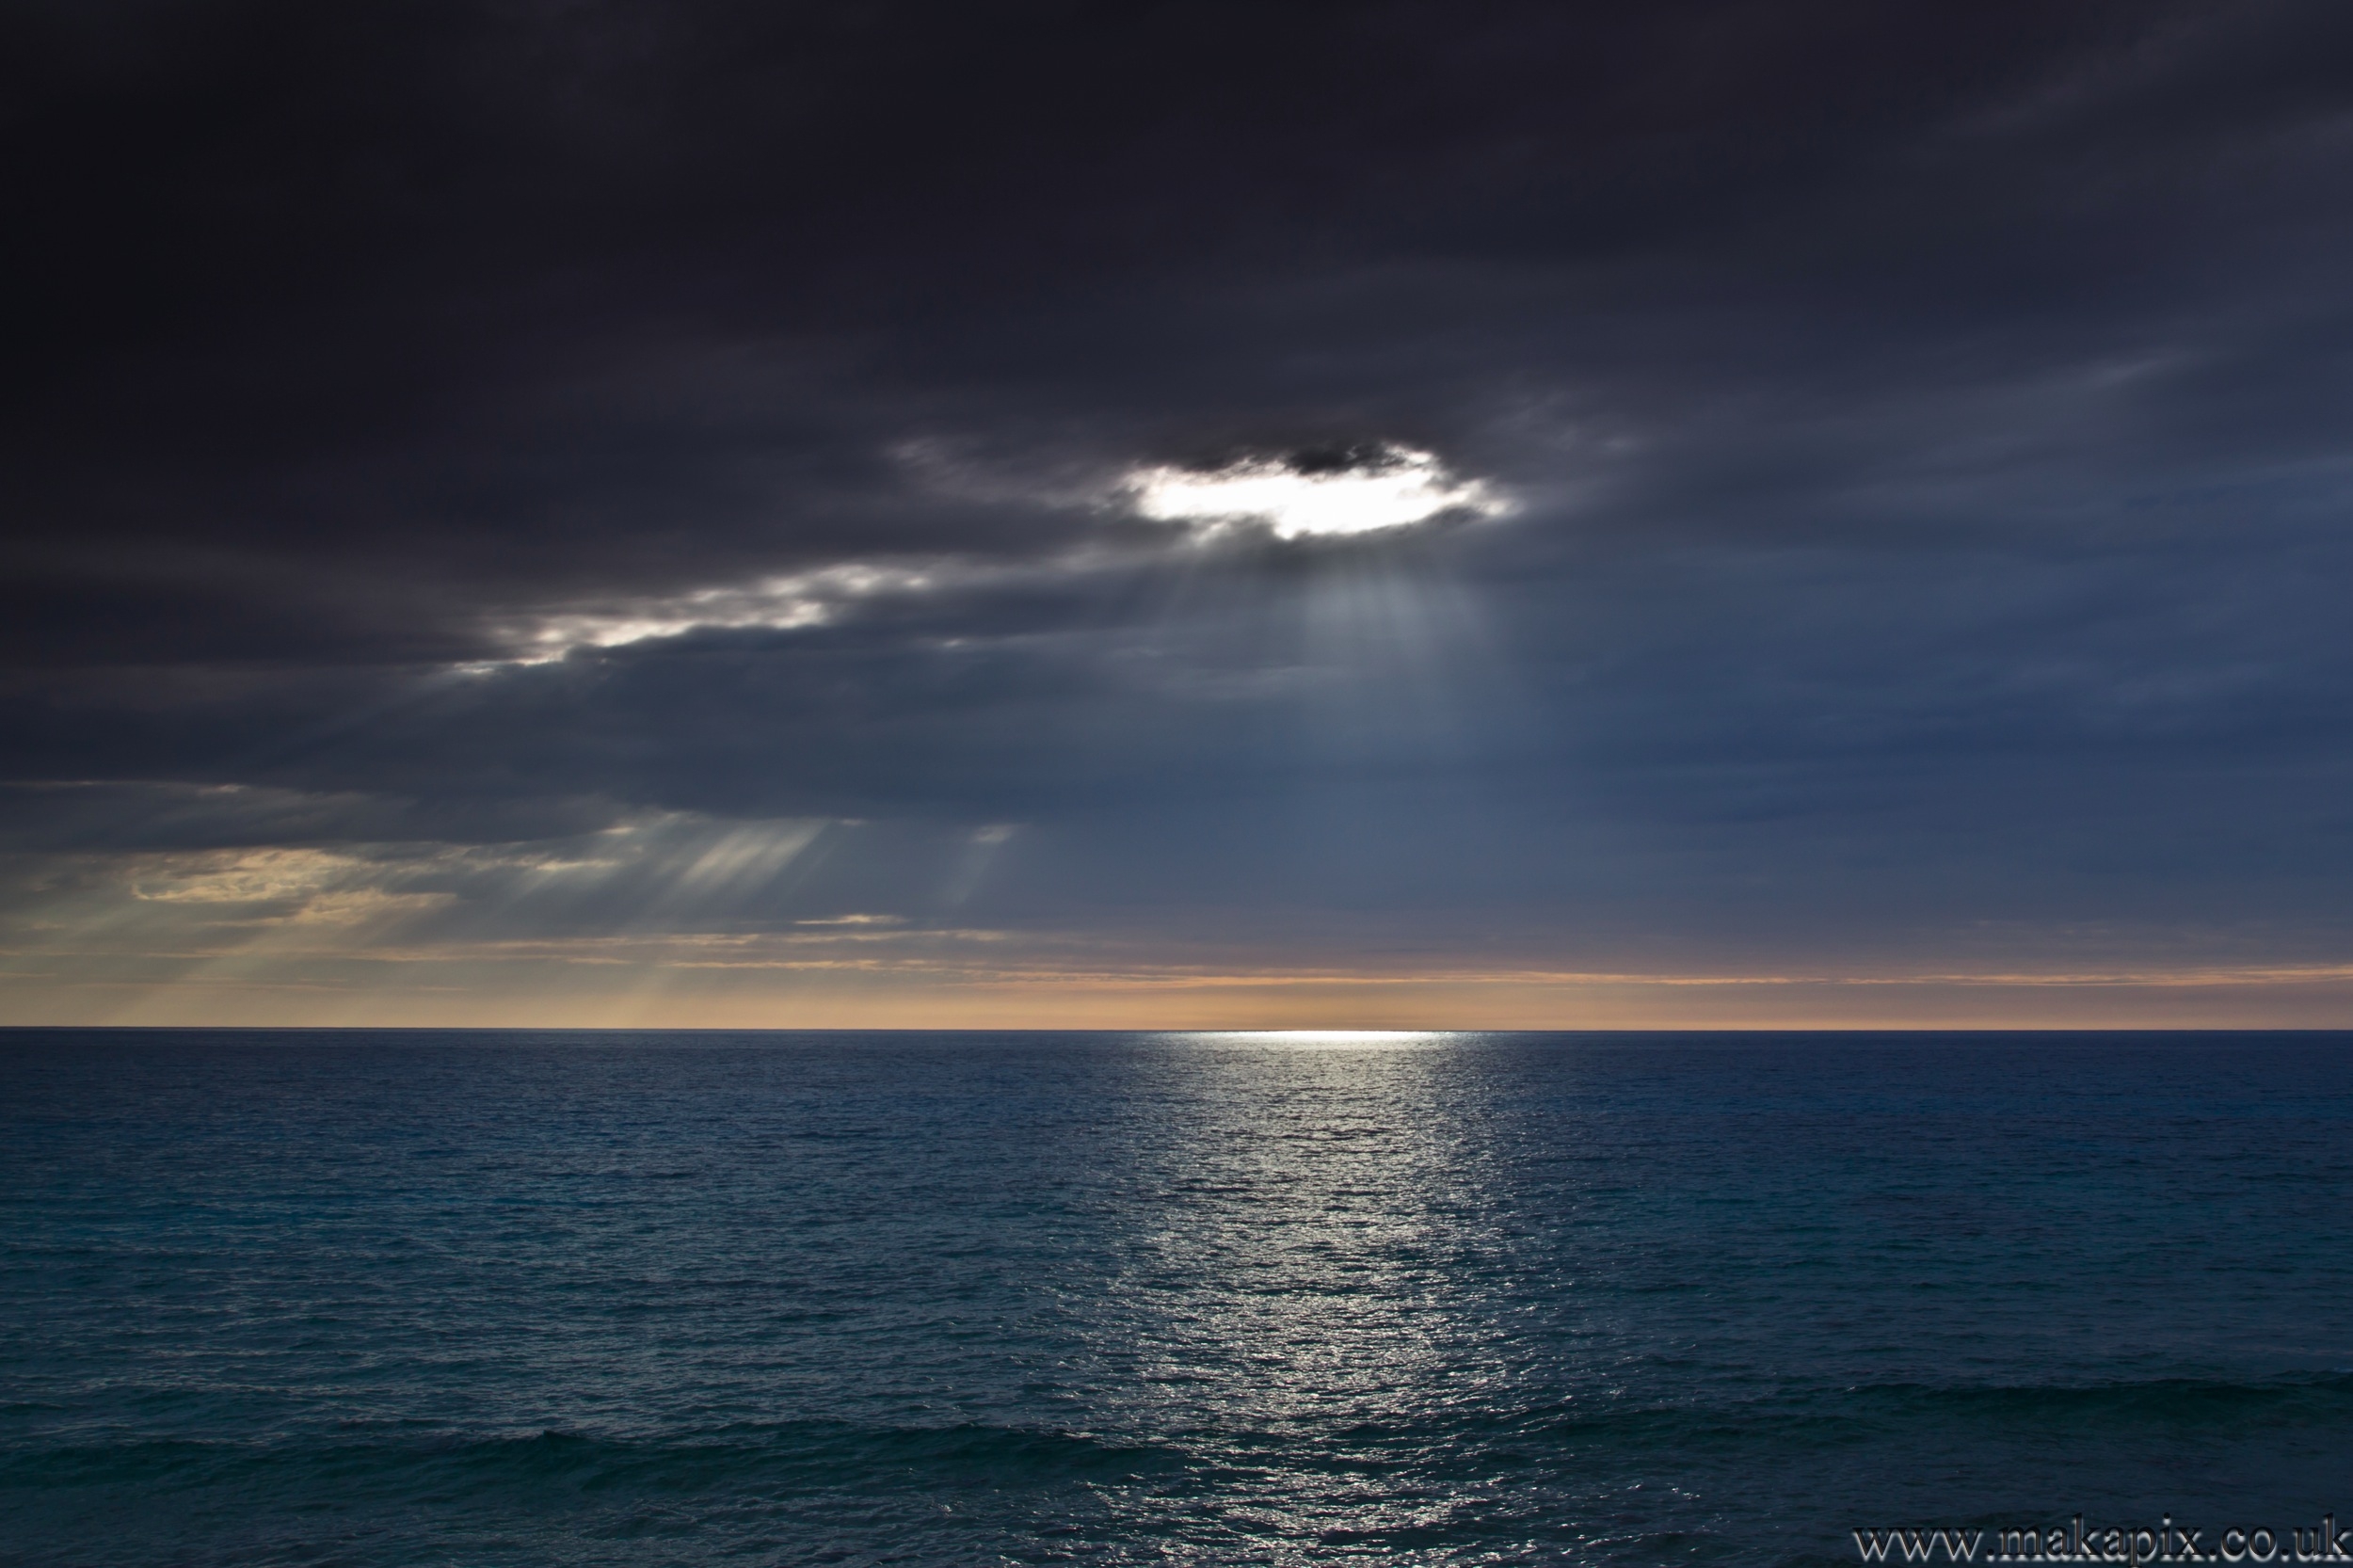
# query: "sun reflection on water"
{"type": "Point", "coordinates": [1317, 1292]}
{"type": "Point", "coordinates": [1329, 1039]}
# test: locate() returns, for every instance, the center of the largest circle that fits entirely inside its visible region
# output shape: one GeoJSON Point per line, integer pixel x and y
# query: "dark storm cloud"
{"type": "Point", "coordinates": [1927, 426]}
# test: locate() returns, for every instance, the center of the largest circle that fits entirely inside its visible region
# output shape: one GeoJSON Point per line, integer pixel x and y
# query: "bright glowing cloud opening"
{"type": "Point", "coordinates": [1388, 487]}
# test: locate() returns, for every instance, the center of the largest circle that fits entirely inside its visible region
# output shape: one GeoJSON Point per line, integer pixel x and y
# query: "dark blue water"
{"type": "Point", "coordinates": [505, 1299]}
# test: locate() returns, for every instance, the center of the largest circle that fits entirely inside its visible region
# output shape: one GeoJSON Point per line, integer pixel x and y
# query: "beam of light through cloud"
{"type": "Point", "coordinates": [1304, 495]}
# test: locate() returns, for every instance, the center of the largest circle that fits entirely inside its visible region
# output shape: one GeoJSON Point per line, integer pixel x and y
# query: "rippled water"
{"type": "Point", "coordinates": [499, 1298]}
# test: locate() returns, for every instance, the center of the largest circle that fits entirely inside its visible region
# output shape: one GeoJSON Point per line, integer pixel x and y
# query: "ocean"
{"type": "Point", "coordinates": [490, 1297]}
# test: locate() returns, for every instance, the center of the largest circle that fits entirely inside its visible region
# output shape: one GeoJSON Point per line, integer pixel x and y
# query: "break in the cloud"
{"type": "Point", "coordinates": [1705, 511]}
{"type": "Point", "coordinates": [1289, 496]}
{"type": "Point", "coordinates": [1303, 495]}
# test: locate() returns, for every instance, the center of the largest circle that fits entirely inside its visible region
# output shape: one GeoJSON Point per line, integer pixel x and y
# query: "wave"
{"type": "Point", "coordinates": [806, 1456]}
{"type": "Point", "coordinates": [1792, 1420]}
{"type": "Point", "coordinates": [796, 1456]}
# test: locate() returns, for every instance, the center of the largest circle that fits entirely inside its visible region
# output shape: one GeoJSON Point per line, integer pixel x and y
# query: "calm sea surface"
{"type": "Point", "coordinates": [493, 1298]}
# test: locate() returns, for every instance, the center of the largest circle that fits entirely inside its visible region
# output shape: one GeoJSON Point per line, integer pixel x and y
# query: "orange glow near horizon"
{"type": "Point", "coordinates": [1308, 1008]}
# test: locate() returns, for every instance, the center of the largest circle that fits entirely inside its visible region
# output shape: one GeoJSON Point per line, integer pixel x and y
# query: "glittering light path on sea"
{"type": "Point", "coordinates": [1289, 1297]}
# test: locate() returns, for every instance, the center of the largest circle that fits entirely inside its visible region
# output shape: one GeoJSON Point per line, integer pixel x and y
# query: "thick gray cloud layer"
{"type": "Point", "coordinates": [466, 426]}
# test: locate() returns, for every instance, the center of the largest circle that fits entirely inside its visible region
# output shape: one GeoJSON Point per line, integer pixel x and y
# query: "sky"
{"type": "Point", "coordinates": [1177, 514]}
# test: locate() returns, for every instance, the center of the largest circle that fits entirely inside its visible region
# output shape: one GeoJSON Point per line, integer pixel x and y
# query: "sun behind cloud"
{"type": "Point", "coordinates": [1357, 491]}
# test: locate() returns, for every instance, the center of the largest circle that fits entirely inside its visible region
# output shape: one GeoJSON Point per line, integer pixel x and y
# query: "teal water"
{"type": "Point", "coordinates": [373, 1298]}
